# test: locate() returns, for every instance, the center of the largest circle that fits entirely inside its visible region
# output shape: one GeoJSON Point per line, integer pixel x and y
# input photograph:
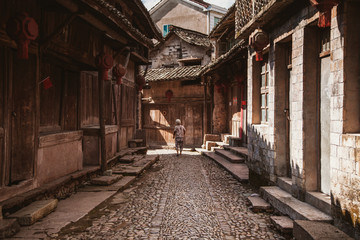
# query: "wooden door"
{"type": "Point", "coordinates": [22, 114]}
{"type": "Point", "coordinates": [159, 122]}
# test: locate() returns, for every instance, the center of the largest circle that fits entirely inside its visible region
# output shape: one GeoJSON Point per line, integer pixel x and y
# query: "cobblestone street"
{"type": "Point", "coordinates": [186, 197]}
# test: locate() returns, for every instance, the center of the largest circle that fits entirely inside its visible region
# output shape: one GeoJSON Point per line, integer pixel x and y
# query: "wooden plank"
{"type": "Point", "coordinates": [71, 100]}
{"type": "Point", "coordinates": [23, 119]}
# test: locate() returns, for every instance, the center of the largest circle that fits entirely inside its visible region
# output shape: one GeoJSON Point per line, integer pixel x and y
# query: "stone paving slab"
{"type": "Point", "coordinates": [288, 205]}
{"type": "Point", "coordinates": [310, 230]}
{"type": "Point", "coordinates": [127, 170]}
{"type": "Point", "coordinates": [35, 211]}
{"type": "Point", "coordinates": [283, 223]}
{"type": "Point", "coordinates": [127, 159]}
{"type": "Point", "coordinates": [68, 210]}
{"type": "Point", "coordinates": [105, 180]}
{"type": "Point", "coordinates": [238, 170]}
{"type": "Point", "coordinates": [230, 156]}
{"type": "Point", "coordinates": [118, 186]}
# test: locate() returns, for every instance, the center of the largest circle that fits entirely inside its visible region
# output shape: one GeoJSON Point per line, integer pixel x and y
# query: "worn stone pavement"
{"type": "Point", "coordinates": [186, 197]}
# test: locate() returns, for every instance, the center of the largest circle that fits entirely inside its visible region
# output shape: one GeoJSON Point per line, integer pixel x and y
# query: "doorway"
{"type": "Point", "coordinates": [323, 118]}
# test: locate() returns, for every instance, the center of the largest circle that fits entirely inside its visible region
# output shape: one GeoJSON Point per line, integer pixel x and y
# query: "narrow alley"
{"type": "Point", "coordinates": [186, 197]}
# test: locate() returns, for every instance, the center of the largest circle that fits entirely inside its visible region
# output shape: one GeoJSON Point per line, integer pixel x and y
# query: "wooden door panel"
{"type": "Point", "coordinates": [71, 100]}
{"type": "Point", "coordinates": [23, 118]}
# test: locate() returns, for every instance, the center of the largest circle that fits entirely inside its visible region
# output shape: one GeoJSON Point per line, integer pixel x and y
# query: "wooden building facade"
{"type": "Point", "coordinates": [49, 102]}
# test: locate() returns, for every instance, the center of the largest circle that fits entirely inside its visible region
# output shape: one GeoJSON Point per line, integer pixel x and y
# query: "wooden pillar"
{"type": "Point", "coordinates": [102, 123]}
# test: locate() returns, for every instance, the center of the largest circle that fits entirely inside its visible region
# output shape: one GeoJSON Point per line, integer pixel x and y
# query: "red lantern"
{"type": "Point", "coordinates": [258, 40]}
{"type": "Point", "coordinates": [22, 28]}
{"type": "Point", "coordinates": [140, 81]}
{"type": "Point", "coordinates": [324, 7]}
{"type": "Point", "coordinates": [119, 72]}
{"type": "Point", "coordinates": [104, 62]}
{"type": "Point", "coordinates": [169, 94]}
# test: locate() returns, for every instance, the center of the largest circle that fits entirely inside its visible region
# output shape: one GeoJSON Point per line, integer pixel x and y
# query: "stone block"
{"type": "Point", "coordinates": [259, 205]}
{"type": "Point", "coordinates": [210, 144]}
{"type": "Point", "coordinates": [283, 223]}
{"type": "Point", "coordinates": [105, 180]}
{"type": "Point", "coordinates": [311, 230]}
{"type": "Point", "coordinates": [35, 211]}
{"type": "Point", "coordinates": [212, 137]}
{"type": "Point", "coordinates": [8, 228]}
{"type": "Point", "coordinates": [127, 159]}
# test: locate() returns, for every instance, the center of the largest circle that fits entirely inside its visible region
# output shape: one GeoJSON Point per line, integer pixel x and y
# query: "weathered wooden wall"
{"type": "Point", "coordinates": [160, 115]}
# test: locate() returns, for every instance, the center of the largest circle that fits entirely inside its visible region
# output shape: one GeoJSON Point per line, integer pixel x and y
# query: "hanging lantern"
{"type": "Point", "coordinates": [169, 94]}
{"type": "Point", "coordinates": [258, 40]}
{"type": "Point", "coordinates": [104, 62]}
{"type": "Point", "coordinates": [22, 28]}
{"type": "Point", "coordinates": [119, 72]}
{"type": "Point", "coordinates": [140, 81]}
{"type": "Point", "coordinates": [324, 7]}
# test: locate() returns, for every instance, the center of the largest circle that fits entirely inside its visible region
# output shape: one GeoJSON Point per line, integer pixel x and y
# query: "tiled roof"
{"type": "Point", "coordinates": [190, 36]}
{"type": "Point", "coordinates": [118, 16]}
{"type": "Point", "coordinates": [232, 53]}
{"type": "Point", "coordinates": [171, 74]}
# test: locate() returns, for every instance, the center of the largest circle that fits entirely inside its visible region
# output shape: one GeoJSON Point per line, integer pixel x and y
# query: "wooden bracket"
{"type": "Point", "coordinates": [44, 43]}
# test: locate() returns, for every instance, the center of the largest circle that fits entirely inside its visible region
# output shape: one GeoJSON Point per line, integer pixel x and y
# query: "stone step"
{"type": "Point", "coordinates": [123, 183]}
{"type": "Point", "coordinates": [259, 205]}
{"type": "Point", "coordinates": [230, 156]}
{"type": "Point", "coordinates": [234, 141]}
{"type": "Point", "coordinates": [209, 145]}
{"type": "Point", "coordinates": [310, 230]}
{"type": "Point", "coordinates": [240, 151]}
{"type": "Point", "coordinates": [105, 180]}
{"type": "Point", "coordinates": [225, 137]}
{"type": "Point", "coordinates": [283, 224]}
{"type": "Point", "coordinates": [34, 212]}
{"type": "Point", "coordinates": [213, 149]}
{"type": "Point", "coordinates": [239, 170]}
{"type": "Point", "coordinates": [8, 228]}
{"type": "Point", "coordinates": [133, 143]}
{"type": "Point", "coordinates": [285, 184]}
{"type": "Point", "coordinates": [127, 170]}
{"type": "Point", "coordinates": [288, 205]}
{"type": "Point", "coordinates": [319, 200]}
{"type": "Point", "coordinates": [127, 159]}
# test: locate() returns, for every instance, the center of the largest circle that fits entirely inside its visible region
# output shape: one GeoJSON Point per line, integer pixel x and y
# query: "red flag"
{"type": "Point", "coordinates": [47, 83]}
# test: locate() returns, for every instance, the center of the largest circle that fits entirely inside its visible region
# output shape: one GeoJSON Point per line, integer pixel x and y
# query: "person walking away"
{"type": "Point", "coordinates": [179, 134]}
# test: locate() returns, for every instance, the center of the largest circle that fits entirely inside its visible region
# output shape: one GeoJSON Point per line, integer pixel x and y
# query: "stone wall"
{"type": "Point", "coordinates": [174, 49]}
{"type": "Point", "coordinates": [265, 141]}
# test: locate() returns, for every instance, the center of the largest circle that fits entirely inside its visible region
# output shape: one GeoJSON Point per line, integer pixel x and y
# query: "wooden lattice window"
{"type": "Point", "coordinates": [264, 90]}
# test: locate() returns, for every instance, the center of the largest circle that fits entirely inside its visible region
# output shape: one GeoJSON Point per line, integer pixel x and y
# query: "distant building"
{"type": "Point", "coordinates": [176, 90]}
{"type": "Point", "coordinates": [196, 15]}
